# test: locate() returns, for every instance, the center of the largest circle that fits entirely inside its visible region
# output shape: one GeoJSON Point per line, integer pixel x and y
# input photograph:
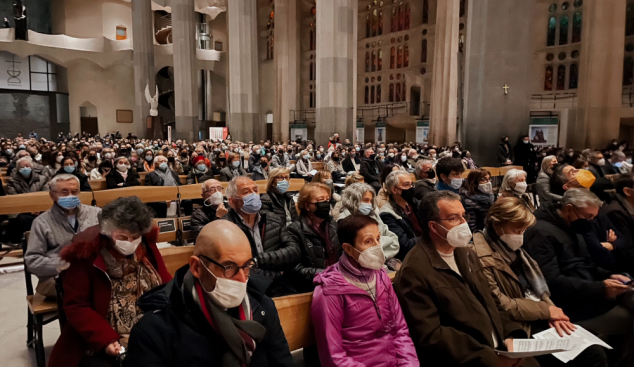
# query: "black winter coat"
{"type": "Point", "coordinates": [311, 251]}
{"type": "Point", "coordinates": [504, 153]}
{"type": "Point", "coordinates": [114, 178]}
{"type": "Point", "coordinates": [370, 170]}
{"type": "Point", "coordinates": [476, 206]}
{"type": "Point", "coordinates": [596, 234]}
{"type": "Point", "coordinates": [623, 221]}
{"type": "Point", "coordinates": [272, 203]}
{"type": "Point", "coordinates": [200, 218]}
{"type": "Point", "coordinates": [195, 176]}
{"type": "Point", "coordinates": [575, 281]}
{"type": "Point", "coordinates": [226, 174]}
{"type": "Point", "coordinates": [348, 165]}
{"type": "Point", "coordinates": [174, 331]}
{"type": "Point", "coordinates": [276, 258]}
{"type": "Point", "coordinates": [83, 179]}
{"type": "Point", "coordinates": [153, 179]}
{"type": "Point", "coordinates": [401, 226]}
{"type": "Point", "coordinates": [423, 187]}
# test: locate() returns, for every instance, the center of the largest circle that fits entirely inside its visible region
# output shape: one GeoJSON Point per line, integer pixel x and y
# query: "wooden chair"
{"type": "Point", "coordinates": [175, 257]}
{"type": "Point", "coordinates": [41, 311]}
{"type": "Point", "coordinates": [183, 179]}
{"type": "Point", "coordinates": [142, 175]}
{"type": "Point", "coordinates": [294, 313]}
{"type": "Point", "coordinates": [147, 194]}
{"type": "Point", "coordinates": [167, 229]}
{"type": "Point", "coordinates": [34, 202]}
{"type": "Point", "coordinates": [318, 165]}
{"type": "Point", "coordinates": [189, 192]}
{"type": "Point", "coordinates": [292, 161]}
{"type": "Point", "coordinates": [98, 185]}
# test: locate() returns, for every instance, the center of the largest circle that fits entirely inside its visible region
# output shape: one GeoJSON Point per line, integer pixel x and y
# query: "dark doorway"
{"type": "Point", "coordinates": [414, 94]}
{"type": "Point", "coordinates": [269, 132]}
{"type": "Point", "coordinates": [89, 125]}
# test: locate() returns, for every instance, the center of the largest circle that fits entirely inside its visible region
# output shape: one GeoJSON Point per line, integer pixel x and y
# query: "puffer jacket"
{"type": "Point", "coordinates": [476, 206]}
{"type": "Point", "coordinates": [200, 218]}
{"type": "Point", "coordinates": [401, 226]}
{"type": "Point", "coordinates": [389, 240]}
{"type": "Point", "coordinates": [311, 252]}
{"type": "Point", "coordinates": [348, 330]}
{"type": "Point", "coordinates": [273, 202]}
{"type": "Point", "coordinates": [276, 258]}
{"type": "Point", "coordinates": [21, 185]}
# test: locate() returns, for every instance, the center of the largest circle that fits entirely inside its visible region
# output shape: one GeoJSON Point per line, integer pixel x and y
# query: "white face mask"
{"type": "Point", "coordinates": [513, 241]}
{"type": "Point", "coordinates": [122, 167]}
{"type": "Point", "coordinates": [127, 248]}
{"type": "Point", "coordinates": [520, 188]}
{"type": "Point", "coordinates": [214, 199]}
{"type": "Point", "coordinates": [372, 258]}
{"type": "Point", "coordinates": [456, 183]}
{"type": "Point", "coordinates": [391, 155]}
{"type": "Point", "coordinates": [227, 293]}
{"type": "Point", "coordinates": [486, 188]}
{"type": "Point", "coordinates": [458, 236]}
{"type": "Point", "coordinates": [601, 162]}
{"type": "Point", "coordinates": [59, 159]}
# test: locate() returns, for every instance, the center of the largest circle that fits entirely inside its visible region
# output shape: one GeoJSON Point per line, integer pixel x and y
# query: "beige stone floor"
{"type": "Point", "coordinates": [13, 349]}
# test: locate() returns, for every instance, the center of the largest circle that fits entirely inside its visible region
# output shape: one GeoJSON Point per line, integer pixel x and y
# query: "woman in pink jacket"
{"type": "Point", "coordinates": [357, 317]}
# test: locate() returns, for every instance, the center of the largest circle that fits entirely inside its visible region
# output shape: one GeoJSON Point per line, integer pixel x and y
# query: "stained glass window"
{"type": "Point", "coordinates": [629, 19]}
{"type": "Point", "coordinates": [548, 79]}
{"type": "Point", "coordinates": [423, 51]}
{"type": "Point", "coordinates": [379, 67]}
{"type": "Point", "coordinates": [391, 93]}
{"type": "Point", "coordinates": [367, 62]}
{"type": "Point", "coordinates": [368, 27]}
{"type": "Point", "coordinates": [576, 27]}
{"type": "Point", "coordinates": [399, 60]}
{"type": "Point", "coordinates": [375, 22]}
{"type": "Point", "coordinates": [378, 93]}
{"type": "Point", "coordinates": [367, 95]}
{"type": "Point", "coordinates": [574, 76]}
{"type": "Point", "coordinates": [398, 92]}
{"type": "Point", "coordinates": [563, 30]}
{"type": "Point", "coordinates": [561, 77]}
{"type": "Point", "coordinates": [463, 7]}
{"type": "Point", "coordinates": [552, 31]}
{"type": "Point", "coordinates": [628, 71]}
{"type": "Point", "coordinates": [394, 20]}
{"type": "Point", "coordinates": [425, 11]}
{"type": "Point", "coordinates": [381, 22]}
{"type": "Point", "coordinates": [392, 58]}
{"type": "Point", "coordinates": [407, 16]}
{"type": "Point", "coordinates": [401, 16]}
{"type": "Point", "coordinates": [374, 62]}
{"type": "Point", "coordinates": [372, 92]}
{"type": "Point", "coordinates": [406, 56]}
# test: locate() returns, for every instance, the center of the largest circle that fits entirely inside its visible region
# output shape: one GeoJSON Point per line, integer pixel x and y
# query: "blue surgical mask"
{"type": "Point", "coordinates": [236, 164]}
{"type": "Point", "coordinates": [365, 208]}
{"type": "Point", "coordinates": [9, 151]}
{"type": "Point", "coordinates": [358, 149]}
{"type": "Point", "coordinates": [618, 164]}
{"type": "Point", "coordinates": [306, 156]}
{"type": "Point", "coordinates": [22, 146]}
{"type": "Point", "coordinates": [69, 169]}
{"type": "Point", "coordinates": [282, 186]}
{"type": "Point", "coordinates": [201, 167]}
{"type": "Point", "coordinates": [456, 183]}
{"type": "Point", "coordinates": [25, 172]}
{"type": "Point", "coordinates": [252, 203]}
{"type": "Point", "coordinates": [139, 151]}
{"type": "Point", "coordinates": [68, 202]}
{"type": "Point", "coordinates": [148, 158]}
{"type": "Point", "coordinates": [163, 166]}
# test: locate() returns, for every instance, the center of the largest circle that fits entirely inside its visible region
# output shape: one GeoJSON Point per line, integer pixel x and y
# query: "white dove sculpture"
{"type": "Point", "coordinates": [153, 101]}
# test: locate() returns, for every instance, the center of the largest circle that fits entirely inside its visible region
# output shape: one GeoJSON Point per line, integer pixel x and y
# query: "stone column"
{"type": "Point", "coordinates": [600, 74]}
{"type": "Point", "coordinates": [493, 59]}
{"type": "Point", "coordinates": [244, 118]}
{"type": "Point", "coordinates": [143, 54]}
{"type": "Point", "coordinates": [286, 66]}
{"type": "Point", "coordinates": [186, 77]}
{"type": "Point", "coordinates": [444, 94]}
{"type": "Point", "coordinates": [336, 77]}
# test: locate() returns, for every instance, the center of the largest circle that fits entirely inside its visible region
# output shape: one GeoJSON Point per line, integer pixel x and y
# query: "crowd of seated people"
{"type": "Point", "coordinates": [476, 266]}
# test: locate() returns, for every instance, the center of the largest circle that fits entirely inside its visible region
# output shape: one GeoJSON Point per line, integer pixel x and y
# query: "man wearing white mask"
{"type": "Point", "coordinates": [452, 316]}
{"type": "Point", "coordinates": [449, 172]}
{"type": "Point", "coordinates": [212, 209]}
{"type": "Point", "coordinates": [265, 230]}
{"type": "Point", "coordinates": [54, 229]}
{"type": "Point", "coordinates": [214, 312]}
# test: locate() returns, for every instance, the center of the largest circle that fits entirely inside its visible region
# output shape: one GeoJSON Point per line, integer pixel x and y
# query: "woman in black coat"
{"type": "Point", "coordinates": [526, 156]}
{"type": "Point", "coordinates": [70, 165]}
{"type": "Point", "coordinates": [477, 197]}
{"type": "Point", "coordinates": [276, 199]}
{"type": "Point", "coordinates": [505, 153]}
{"type": "Point", "coordinates": [348, 163]}
{"type": "Point", "coordinates": [313, 236]}
{"type": "Point", "coordinates": [116, 179]}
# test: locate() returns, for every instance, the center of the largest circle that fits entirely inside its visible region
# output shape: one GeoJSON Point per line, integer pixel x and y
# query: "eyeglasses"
{"type": "Point", "coordinates": [213, 190]}
{"type": "Point", "coordinates": [282, 178]}
{"type": "Point", "coordinates": [230, 271]}
{"type": "Point", "coordinates": [67, 192]}
{"type": "Point", "coordinates": [457, 218]}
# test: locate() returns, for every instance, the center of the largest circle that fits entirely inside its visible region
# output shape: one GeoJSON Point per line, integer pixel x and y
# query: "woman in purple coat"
{"type": "Point", "coordinates": [358, 320]}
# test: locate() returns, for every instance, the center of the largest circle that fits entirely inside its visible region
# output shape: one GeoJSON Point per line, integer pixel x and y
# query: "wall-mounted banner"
{"type": "Point", "coordinates": [360, 133]}
{"type": "Point", "coordinates": [379, 132]}
{"type": "Point", "coordinates": [544, 131]}
{"type": "Point", "coordinates": [422, 132]}
{"type": "Point", "coordinates": [299, 131]}
{"type": "Point", "coordinates": [14, 72]}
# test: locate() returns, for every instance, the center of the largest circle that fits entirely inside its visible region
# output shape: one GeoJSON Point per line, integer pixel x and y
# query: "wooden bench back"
{"type": "Point", "coordinates": [317, 165]}
{"type": "Point", "coordinates": [147, 194]}
{"type": "Point", "coordinates": [184, 224]}
{"type": "Point", "coordinates": [189, 192]}
{"type": "Point", "coordinates": [296, 184]}
{"type": "Point", "coordinates": [505, 169]}
{"type": "Point", "coordinates": [98, 185]}
{"type": "Point", "coordinates": [33, 202]}
{"type": "Point", "coordinates": [294, 313]}
{"type": "Point", "coordinates": [183, 179]}
{"type": "Point", "coordinates": [167, 229]}
{"type": "Point", "coordinates": [175, 257]}
{"type": "Point", "coordinates": [494, 171]}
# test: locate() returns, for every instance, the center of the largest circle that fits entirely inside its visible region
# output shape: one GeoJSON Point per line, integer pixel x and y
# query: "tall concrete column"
{"type": "Point", "coordinates": [494, 59]}
{"type": "Point", "coordinates": [186, 77]}
{"type": "Point", "coordinates": [143, 54]}
{"type": "Point", "coordinates": [286, 66]}
{"type": "Point", "coordinates": [600, 74]}
{"type": "Point", "coordinates": [444, 83]}
{"type": "Point", "coordinates": [245, 123]}
{"type": "Point", "coordinates": [336, 76]}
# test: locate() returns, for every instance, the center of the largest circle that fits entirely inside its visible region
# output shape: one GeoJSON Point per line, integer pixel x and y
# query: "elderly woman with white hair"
{"type": "Point", "coordinates": [514, 184]}
{"type": "Point", "coordinates": [276, 199]}
{"type": "Point", "coordinates": [111, 265]}
{"type": "Point", "coordinates": [358, 198]}
{"type": "Point", "coordinates": [543, 180]}
{"type": "Point", "coordinates": [25, 180]}
{"type": "Point", "coordinates": [303, 165]}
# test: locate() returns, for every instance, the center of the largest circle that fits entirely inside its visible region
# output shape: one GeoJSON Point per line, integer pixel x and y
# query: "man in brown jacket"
{"type": "Point", "coordinates": [452, 317]}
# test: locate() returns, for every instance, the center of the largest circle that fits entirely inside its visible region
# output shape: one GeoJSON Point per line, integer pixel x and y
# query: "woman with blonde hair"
{"type": "Point", "coordinates": [276, 199]}
{"type": "Point", "coordinates": [514, 185]}
{"type": "Point", "coordinates": [516, 281]}
{"type": "Point", "coordinates": [543, 180]}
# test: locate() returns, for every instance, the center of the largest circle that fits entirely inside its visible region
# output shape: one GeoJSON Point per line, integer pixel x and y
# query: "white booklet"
{"type": "Point", "coordinates": [313, 172]}
{"type": "Point", "coordinates": [523, 348]}
{"type": "Point", "coordinates": [587, 339]}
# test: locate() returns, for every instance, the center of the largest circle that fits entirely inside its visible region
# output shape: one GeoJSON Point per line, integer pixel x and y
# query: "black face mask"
{"type": "Point", "coordinates": [373, 156]}
{"type": "Point", "coordinates": [264, 164]}
{"type": "Point", "coordinates": [336, 159]}
{"type": "Point", "coordinates": [170, 159]}
{"type": "Point", "coordinates": [581, 226]}
{"type": "Point", "coordinates": [408, 195]}
{"type": "Point", "coordinates": [323, 209]}
{"type": "Point", "coordinates": [92, 158]}
{"type": "Point", "coordinates": [431, 174]}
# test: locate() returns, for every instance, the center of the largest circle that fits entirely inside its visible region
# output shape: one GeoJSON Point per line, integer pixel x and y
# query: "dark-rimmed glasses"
{"type": "Point", "coordinates": [230, 271]}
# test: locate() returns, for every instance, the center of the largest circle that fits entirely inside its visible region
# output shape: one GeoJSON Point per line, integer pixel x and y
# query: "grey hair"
{"type": "Point", "coordinates": [351, 197]}
{"type": "Point", "coordinates": [546, 164]}
{"type": "Point", "coordinates": [580, 198]}
{"type": "Point", "coordinates": [156, 157]}
{"type": "Point", "coordinates": [429, 210]}
{"type": "Point", "coordinates": [421, 163]}
{"type": "Point", "coordinates": [63, 177]}
{"type": "Point", "coordinates": [510, 177]}
{"type": "Point", "coordinates": [594, 156]}
{"type": "Point", "coordinates": [232, 188]}
{"type": "Point", "coordinates": [618, 154]}
{"type": "Point", "coordinates": [392, 180]}
{"type": "Point", "coordinates": [23, 159]}
{"type": "Point", "coordinates": [127, 213]}
{"type": "Point", "coordinates": [116, 160]}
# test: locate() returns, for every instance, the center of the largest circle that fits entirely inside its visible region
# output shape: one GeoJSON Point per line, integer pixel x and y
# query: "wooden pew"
{"type": "Point", "coordinates": [175, 257]}
{"type": "Point", "coordinates": [98, 185]}
{"type": "Point", "coordinates": [184, 224]}
{"type": "Point", "coordinates": [167, 229]}
{"type": "Point", "coordinates": [493, 170]}
{"type": "Point", "coordinates": [294, 313]}
{"type": "Point", "coordinates": [296, 184]}
{"type": "Point", "coordinates": [183, 179]}
{"type": "Point", "coordinates": [147, 194]}
{"type": "Point", "coordinates": [505, 169]}
{"type": "Point", "coordinates": [5, 179]}
{"type": "Point", "coordinates": [34, 202]}
{"type": "Point", "coordinates": [466, 173]}
{"type": "Point", "coordinates": [317, 165]}
{"type": "Point", "coordinates": [189, 192]}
